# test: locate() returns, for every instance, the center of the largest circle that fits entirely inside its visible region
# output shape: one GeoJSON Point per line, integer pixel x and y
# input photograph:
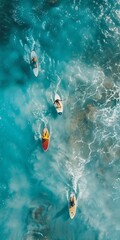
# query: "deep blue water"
{"type": "Point", "coordinates": [78, 46]}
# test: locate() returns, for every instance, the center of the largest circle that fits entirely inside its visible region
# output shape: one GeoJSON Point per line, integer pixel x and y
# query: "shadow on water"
{"type": "Point", "coordinates": [62, 212]}
{"type": "Point", "coordinates": [19, 72]}
{"type": "Point", "coordinates": [52, 3]}
{"type": "Point", "coordinates": [6, 21]}
{"type": "Point", "coordinates": [14, 66]}
{"type": "Point", "coordinates": [40, 215]}
{"type": "Point", "coordinates": [54, 112]}
{"type": "Point", "coordinates": [46, 5]}
{"type": "Point", "coordinates": [94, 47]}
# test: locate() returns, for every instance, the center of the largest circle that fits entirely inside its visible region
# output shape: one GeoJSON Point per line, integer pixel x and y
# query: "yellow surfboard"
{"type": "Point", "coordinates": [72, 206]}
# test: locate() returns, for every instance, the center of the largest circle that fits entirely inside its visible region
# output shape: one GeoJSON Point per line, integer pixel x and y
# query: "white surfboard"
{"type": "Point", "coordinates": [72, 207]}
{"type": "Point", "coordinates": [59, 105]}
{"type": "Point", "coordinates": [35, 67]}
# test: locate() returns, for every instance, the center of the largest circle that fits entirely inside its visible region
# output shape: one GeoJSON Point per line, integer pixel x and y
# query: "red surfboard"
{"type": "Point", "coordinates": [45, 139]}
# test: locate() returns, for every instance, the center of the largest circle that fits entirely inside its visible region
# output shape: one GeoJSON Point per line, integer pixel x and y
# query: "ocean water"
{"type": "Point", "coordinates": [78, 47]}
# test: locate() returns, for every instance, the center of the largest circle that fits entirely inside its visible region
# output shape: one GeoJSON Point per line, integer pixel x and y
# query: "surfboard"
{"type": "Point", "coordinates": [45, 139]}
{"type": "Point", "coordinates": [35, 66]}
{"type": "Point", "coordinates": [72, 208]}
{"type": "Point", "coordinates": [59, 106]}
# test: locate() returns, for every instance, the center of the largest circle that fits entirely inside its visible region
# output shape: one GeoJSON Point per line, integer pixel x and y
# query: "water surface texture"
{"type": "Point", "coordinates": [78, 46]}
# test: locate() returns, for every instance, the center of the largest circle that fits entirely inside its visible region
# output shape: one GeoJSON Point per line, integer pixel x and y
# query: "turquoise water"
{"type": "Point", "coordinates": [77, 43]}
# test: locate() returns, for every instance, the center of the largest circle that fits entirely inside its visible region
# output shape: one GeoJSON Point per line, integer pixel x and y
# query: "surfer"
{"type": "Point", "coordinates": [72, 201]}
{"type": "Point", "coordinates": [45, 139]}
{"type": "Point", "coordinates": [57, 102]}
{"type": "Point", "coordinates": [34, 61]}
{"type": "Point", "coordinates": [45, 134]}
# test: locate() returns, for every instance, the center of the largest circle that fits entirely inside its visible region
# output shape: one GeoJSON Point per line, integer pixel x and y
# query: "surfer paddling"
{"type": "Point", "coordinates": [72, 206]}
{"type": "Point", "coordinates": [57, 103]}
{"type": "Point", "coordinates": [34, 61]}
{"type": "Point", "coordinates": [72, 201]}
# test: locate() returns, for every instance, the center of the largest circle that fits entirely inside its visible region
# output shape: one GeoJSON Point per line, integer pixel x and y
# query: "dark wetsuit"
{"type": "Point", "coordinates": [56, 101]}
{"type": "Point", "coordinates": [34, 63]}
{"type": "Point", "coordinates": [72, 203]}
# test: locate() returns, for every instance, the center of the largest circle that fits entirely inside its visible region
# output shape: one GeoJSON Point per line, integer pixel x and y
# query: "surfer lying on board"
{"type": "Point", "coordinates": [57, 103]}
{"type": "Point", "coordinates": [34, 61]}
{"type": "Point", "coordinates": [72, 201]}
{"type": "Point", "coordinates": [45, 135]}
